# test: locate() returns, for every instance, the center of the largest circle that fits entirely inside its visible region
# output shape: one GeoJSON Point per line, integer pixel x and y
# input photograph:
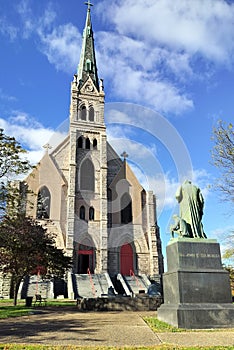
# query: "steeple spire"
{"type": "Point", "coordinates": [87, 65]}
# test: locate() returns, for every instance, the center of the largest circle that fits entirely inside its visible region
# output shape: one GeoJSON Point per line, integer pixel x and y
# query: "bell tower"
{"type": "Point", "coordinates": [87, 185]}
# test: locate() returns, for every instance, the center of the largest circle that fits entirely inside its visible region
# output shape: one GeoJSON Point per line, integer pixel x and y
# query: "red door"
{"type": "Point", "coordinates": [126, 259]}
{"type": "Point", "coordinates": [85, 259]}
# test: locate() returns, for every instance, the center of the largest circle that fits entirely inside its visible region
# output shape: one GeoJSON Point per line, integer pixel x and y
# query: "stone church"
{"type": "Point", "coordinates": [86, 194]}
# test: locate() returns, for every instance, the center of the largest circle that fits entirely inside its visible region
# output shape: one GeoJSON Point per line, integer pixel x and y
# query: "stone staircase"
{"type": "Point", "coordinates": [137, 284]}
{"type": "Point", "coordinates": [35, 285]}
{"type": "Point", "coordinates": [91, 286]}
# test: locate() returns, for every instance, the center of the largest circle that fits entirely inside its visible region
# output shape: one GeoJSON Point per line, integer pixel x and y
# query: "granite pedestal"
{"type": "Point", "coordinates": [197, 291]}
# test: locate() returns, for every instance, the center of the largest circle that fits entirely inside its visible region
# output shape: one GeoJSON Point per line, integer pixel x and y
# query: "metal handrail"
{"type": "Point", "coordinates": [132, 274]}
{"type": "Point", "coordinates": [91, 282]}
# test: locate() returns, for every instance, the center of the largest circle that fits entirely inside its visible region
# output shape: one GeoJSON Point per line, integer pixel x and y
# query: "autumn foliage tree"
{"type": "Point", "coordinates": [24, 246]}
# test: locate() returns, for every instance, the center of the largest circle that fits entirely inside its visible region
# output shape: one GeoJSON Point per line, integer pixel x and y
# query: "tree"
{"type": "Point", "coordinates": [12, 163]}
{"type": "Point", "coordinates": [230, 270]}
{"type": "Point", "coordinates": [223, 158]}
{"type": "Point", "coordinates": [11, 157]}
{"type": "Point", "coordinates": [229, 251]}
{"type": "Point", "coordinates": [24, 246]}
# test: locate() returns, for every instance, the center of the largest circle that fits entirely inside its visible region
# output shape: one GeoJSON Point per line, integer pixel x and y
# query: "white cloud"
{"type": "Point", "coordinates": [138, 77]}
{"type": "Point", "coordinates": [150, 56]}
{"type": "Point", "coordinates": [7, 29]}
{"type": "Point", "coordinates": [6, 97]}
{"type": "Point", "coordinates": [31, 135]}
{"type": "Point", "coordinates": [148, 164]}
{"type": "Point", "coordinates": [201, 26]}
{"type": "Point", "coordinates": [61, 46]}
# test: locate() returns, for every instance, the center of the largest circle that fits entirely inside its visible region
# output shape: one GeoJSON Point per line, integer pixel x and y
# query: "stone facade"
{"type": "Point", "coordinates": [84, 193]}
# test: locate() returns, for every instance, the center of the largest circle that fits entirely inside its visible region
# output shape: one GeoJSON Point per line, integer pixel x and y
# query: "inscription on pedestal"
{"type": "Point", "coordinates": [194, 253]}
{"type": "Point", "coordinates": [197, 290]}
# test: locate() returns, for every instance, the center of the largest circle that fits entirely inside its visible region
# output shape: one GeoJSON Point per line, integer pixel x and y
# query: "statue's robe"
{"type": "Point", "coordinates": [191, 208]}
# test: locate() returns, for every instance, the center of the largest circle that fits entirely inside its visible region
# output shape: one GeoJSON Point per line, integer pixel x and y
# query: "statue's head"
{"type": "Point", "coordinates": [187, 182]}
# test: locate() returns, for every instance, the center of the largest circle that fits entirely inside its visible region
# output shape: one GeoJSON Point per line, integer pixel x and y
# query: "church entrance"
{"type": "Point", "coordinates": [85, 259]}
{"type": "Point", "coordinates": [126, 259]}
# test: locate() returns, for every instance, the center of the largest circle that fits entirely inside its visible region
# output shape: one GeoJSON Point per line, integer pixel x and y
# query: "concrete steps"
{"type": "Point", "coordinates": [91, 286]}
{"type": "Point", "coordinates": [35, 285]}
{"type": "Point", "coordinates": [137, 284]}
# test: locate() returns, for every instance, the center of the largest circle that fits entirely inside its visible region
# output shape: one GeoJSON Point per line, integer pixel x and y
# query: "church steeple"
{"type": "Point", "coordinates": [87, 65]}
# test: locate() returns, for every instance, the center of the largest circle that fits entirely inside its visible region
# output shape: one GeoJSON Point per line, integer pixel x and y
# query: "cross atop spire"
{"type": "Point", "coordinates": [124, 155]}
{"type": "Point", "coordinates": [47, 146]}
{"type": "Point", "coordinates": [89, 4]}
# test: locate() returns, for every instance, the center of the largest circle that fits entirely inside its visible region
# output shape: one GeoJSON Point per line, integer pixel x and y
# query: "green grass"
{"type": "Point", "coordinates": [157, 347]}
{"type": "Point", "coordinates": [160, 326]}
{"type": "Point", "coordinates": [7, 309]}
{"type": "Point", "coordinates": [14, 311]}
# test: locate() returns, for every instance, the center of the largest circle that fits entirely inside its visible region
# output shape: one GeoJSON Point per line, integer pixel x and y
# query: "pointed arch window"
{"type": "Point", "coordinates": [87, 143]}
{"type": "Point", "coordinates": [43, 203]}
{"type": "Point", "coordinates": [87, 176]}
{"type": "Point", "coordinates": [94, 144]}
{"type": "Point", "coordinates": [80, 142]}
{"type": "Point", "coordinates": [126, 209]}
{"type": "Point", "coordinates": [83, 113]}
{"type": "Point", "coordinates": [91, 114]}
{"type": "Point", "coordinates": [82, 213]}
{"type": "Point", "coordinates": [91, 213]}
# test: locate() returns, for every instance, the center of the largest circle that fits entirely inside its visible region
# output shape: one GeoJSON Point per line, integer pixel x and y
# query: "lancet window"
{"type": "Point", "coordinates": [83, 113]}
{"type": "Point", "coordinates": [82, 212]}
{"type": "Point", "coordinates": [43, 203]}
{"type": "Point", "coordinates": [126, 209]}
{"type": "Point", "coordinates": [91, 114]}
{"type": "Point", "coordinates": [91, 213]}
{"type": "Point", "coordinates": [87, 175]}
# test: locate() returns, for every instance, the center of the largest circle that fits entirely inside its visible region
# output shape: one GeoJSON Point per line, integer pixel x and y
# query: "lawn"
{"type": "Point", "coordinates": [7, 309]}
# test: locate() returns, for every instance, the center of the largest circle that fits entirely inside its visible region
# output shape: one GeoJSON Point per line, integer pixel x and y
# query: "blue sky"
{"type": "Point", "coordinates": [175, 58]}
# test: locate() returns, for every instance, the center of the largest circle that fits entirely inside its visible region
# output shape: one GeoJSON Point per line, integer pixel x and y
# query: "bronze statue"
{"type": "Point", "coordinates": [180, 227]}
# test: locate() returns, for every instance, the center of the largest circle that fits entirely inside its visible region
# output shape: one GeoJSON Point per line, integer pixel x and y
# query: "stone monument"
{"type": "Point", "coordinates": [197, 291]}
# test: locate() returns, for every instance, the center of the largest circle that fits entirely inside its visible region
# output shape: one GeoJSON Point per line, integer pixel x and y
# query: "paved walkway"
{"type": "Point", "coordinates": [69, 327]}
